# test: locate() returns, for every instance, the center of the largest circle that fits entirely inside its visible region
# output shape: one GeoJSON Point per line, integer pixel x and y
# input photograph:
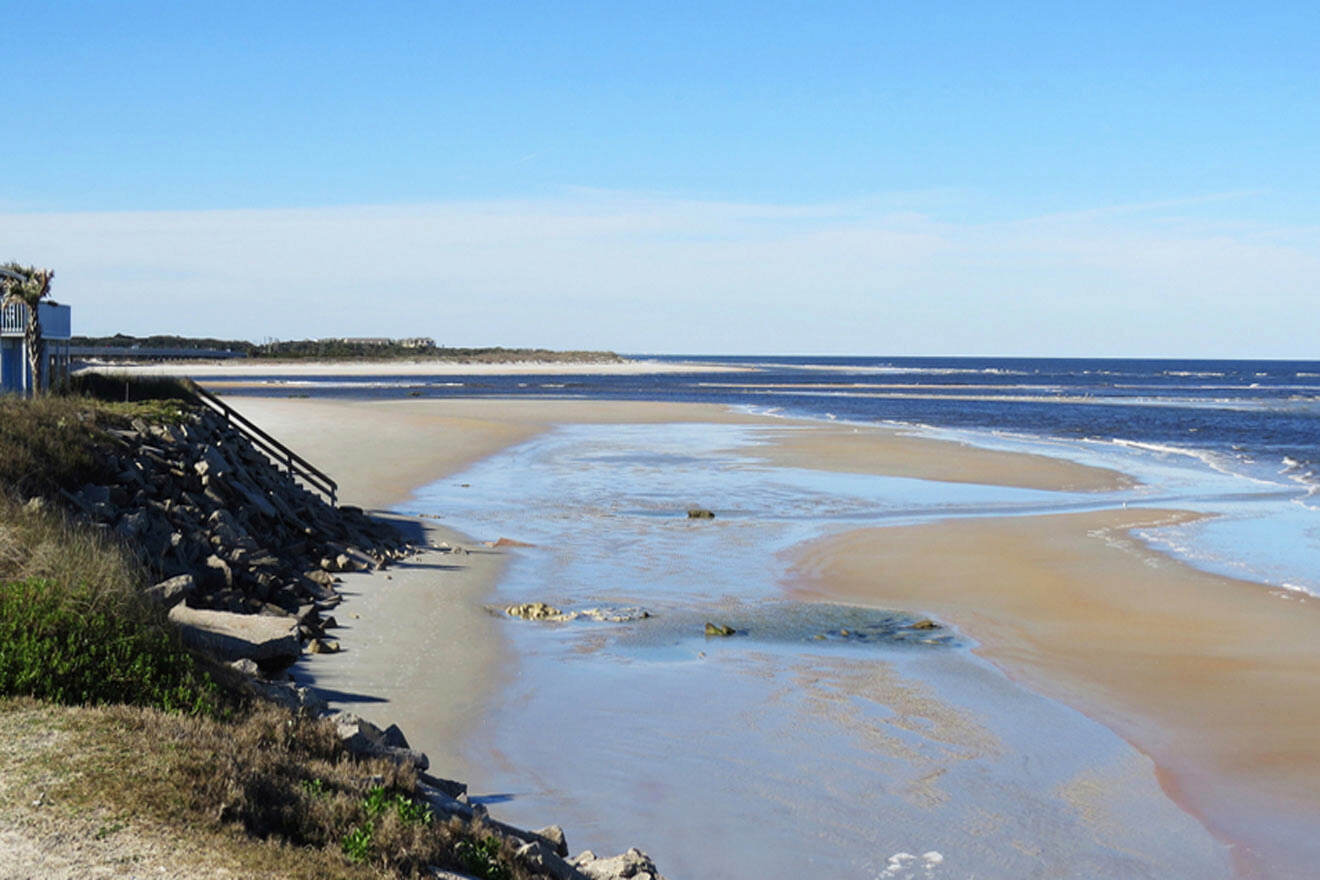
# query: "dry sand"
{"type": "Point", "coordinates": [1217, 679]}
{"type": "Point", "coordinates": [418, 648]}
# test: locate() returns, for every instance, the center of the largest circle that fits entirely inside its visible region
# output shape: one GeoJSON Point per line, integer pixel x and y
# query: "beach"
{"type": "Point", "coordinates": [1207, 681]}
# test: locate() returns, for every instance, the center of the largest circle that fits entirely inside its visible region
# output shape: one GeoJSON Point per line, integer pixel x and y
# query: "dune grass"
{"type": "Point", "coordinates": [54, 442]}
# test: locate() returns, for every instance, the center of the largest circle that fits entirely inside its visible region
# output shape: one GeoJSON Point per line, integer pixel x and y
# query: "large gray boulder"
{"type": "Point", "coordinates": [554, 835]}
{"type": "Point", "coordinates": [228, 636]}
{"type": "Point", "coordinates": [544, 860]}
{"type": "Point", "coordinates": [361, 737]}
{"type": "Point", "coordinates": [289, 695]}
{"type": "Point", "coordinates": [173, 591]}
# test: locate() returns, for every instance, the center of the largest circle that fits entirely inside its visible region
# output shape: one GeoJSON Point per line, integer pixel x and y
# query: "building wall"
{"type": "Point", "coordinates": [13, 366]}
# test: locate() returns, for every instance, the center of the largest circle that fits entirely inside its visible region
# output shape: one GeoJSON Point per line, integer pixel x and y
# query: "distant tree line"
{"type": "Point", "coordinates": [343, 349]}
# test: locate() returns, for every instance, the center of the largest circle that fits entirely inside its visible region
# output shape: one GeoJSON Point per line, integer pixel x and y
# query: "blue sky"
{"type": "Point", "coordinates": [933, 178]}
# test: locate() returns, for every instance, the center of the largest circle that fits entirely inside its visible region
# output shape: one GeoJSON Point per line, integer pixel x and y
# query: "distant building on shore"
{"type": "Point", "coordinates": [56, 330]}
{"type": "Point", "coordinates": [413, 342]}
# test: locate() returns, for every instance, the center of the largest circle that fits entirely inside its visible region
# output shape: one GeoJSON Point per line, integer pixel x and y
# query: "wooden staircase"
{"type": "Point", "coordinates": [297, 466]}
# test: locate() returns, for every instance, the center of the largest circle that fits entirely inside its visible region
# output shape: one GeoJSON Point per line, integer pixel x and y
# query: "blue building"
{"type": "Point", "coordinates": [56, 329]}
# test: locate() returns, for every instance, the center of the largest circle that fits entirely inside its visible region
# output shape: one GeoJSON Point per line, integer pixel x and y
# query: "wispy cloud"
{"type": "Point", "coordinates": [644, 272]}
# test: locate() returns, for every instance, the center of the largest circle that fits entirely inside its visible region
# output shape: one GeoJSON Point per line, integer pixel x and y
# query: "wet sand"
{"type": "Point", "coordinates": [849, 449]}
{"type": "Point", "coordinates": [1217, 679]}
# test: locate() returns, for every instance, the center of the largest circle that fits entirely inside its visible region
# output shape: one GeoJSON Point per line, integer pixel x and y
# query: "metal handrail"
{"type": "Point", "coordinates": [279, 453]}
{"type": "Point", "coordinates": [13, 318]}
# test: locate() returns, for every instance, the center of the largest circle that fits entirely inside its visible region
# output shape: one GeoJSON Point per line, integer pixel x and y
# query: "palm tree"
{"type": "Point", "coordinates": [28, 286]}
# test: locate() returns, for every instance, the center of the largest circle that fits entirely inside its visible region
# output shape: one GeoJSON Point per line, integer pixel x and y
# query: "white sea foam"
{"type": "Point", "coordinates": [906, 866]}
{"type": "Point", "coordinates": [891, 370]}
{"type": "Point", "coordinates": [317, 383]}
{"type": "Point", "coordinates": [1217, 462]}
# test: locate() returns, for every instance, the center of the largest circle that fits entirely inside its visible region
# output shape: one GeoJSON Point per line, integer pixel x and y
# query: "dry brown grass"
{"type": "Point", "coordinates": [47, 443]}
{"type": "Point", "coordinates": [54, 442]}
{"type": "Point", "coordinates": [271, 792]}
{"type": "Point", "coordinates": [42, 543]}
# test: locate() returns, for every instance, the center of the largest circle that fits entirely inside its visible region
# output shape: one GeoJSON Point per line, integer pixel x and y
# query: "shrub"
{"type": "Point", "coordinates": [378, 804]}
{"type": "Point", "coordinates": [357, 844]}
{"type": "Point", "coordinates": [483, 857]}
{"type": "Point", "coordinates": [71, 645]}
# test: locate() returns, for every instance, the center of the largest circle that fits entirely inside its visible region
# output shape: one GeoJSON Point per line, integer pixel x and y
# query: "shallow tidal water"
{"type": "Point", "coordinates": [820, 740]}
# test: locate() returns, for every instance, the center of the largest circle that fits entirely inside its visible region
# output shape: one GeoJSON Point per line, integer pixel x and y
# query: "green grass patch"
{"type": "Point", "coordinates": [80, 647]}
{"type": "Point", "coordinates": [74, 627]}
{"type": "Point", "coordinates": [482, 857]}
{"type": "Point", "coordinates": [358, 843]}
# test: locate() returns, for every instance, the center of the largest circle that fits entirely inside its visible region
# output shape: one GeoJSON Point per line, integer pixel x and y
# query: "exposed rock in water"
{"type": "Point", "coordinates": [700, 513]}
{"type": "Point", "coordinates": [632, 865]}
{"type": "Point", "coordinates": [507, 542]}
{"type": "Point", "coordinates": [718, 629]}
{"type": "Point", "coordinates": [924, 623]}
{"type": "Point", "coordinates": [543, 612]}
{"type": "Point", "coordinates": [534, 611]}
{"type": "Point", "coordinates": [609, 615]}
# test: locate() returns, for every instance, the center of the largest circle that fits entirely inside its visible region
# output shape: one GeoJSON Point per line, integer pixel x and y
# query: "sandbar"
{"type": "Point", "coordinates": [1217, 679]}
{"type": "Point", "coordinates": [884, 451]}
